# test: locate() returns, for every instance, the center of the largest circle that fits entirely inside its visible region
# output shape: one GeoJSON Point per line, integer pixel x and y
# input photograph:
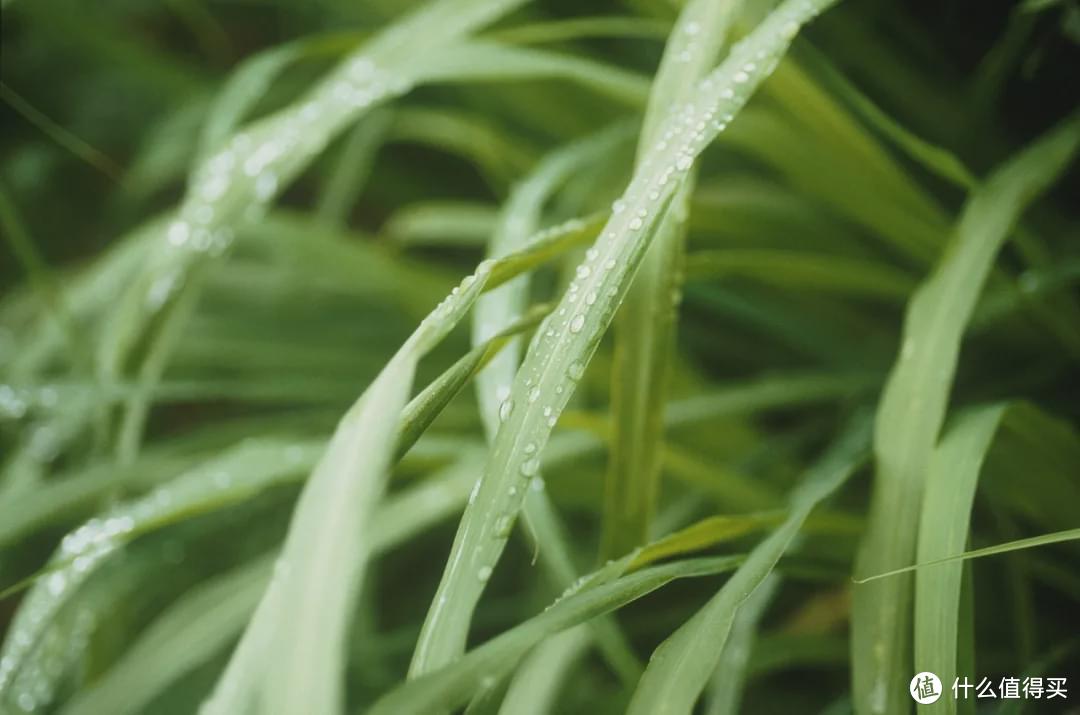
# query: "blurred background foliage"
{"type": "Point", "coordinates": [860, 149]}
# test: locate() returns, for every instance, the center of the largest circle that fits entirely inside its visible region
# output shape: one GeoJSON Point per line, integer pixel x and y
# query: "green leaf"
{"type": "Point", "coordinates": [520, 218]}
{"type": "Point", "coordinates": [680, 667]}
{"type": "Point", "coordinates": [646, 322]}
{"type": "Point", "coordinates": [729, 680]}
{"type": "Point", "coordinates": [452, 685]}
{"type": "Point", "coordinates": [303, 615]}
{"type": "Point", "coordinates": [946, 515]}
{"type": "Point", "coordinates": [913, 407]}
{"type": "Point", "coordinates": [206, 620]}
{"type": "Point", "coordinates": [557, 358]}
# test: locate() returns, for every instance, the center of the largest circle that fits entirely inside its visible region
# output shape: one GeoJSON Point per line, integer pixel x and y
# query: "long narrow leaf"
{"type": "Point", "coordinates": [564, 344]}
{"type": "Point", "coordinates": [913, 407]}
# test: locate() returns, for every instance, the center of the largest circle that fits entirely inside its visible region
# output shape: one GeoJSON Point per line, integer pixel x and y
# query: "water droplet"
{"type": "Point", "coordinates": [530, 467]}
{"type": "Point", "coordinates": [907, 350]}
{"type": "Point", "coordinates": [583, 271]}
{"type": "Point", "coordinates": [11, 404]}
{"type": "Point", "coordinates": [590, 297]}
{"type": "Point", "coordinates": [683, 162]}
{"type": "Point", "coordinates": [55, 583]}
{"type": "Point", "coordinates": [741, 77]}
{"type": "Point", "coordinates": [576, 370]}
{"type": "Point", "coordinates": [266, 185]}
{"type": "Point", "coordinates": [505, 409]}
{"type": "Point", "coordinates": [693, 27]}
{"type": "Point", "coordinates": [214, 188]}
{"type": "Point", "coordinates": [534, 394]}
{"type": "Point", "coordinates": [530, 447]}
{"type": "Point", "coordinates": [577, 323]}
{"type": "Point", "coordinates": [178, 233]}
{"type": "Point", "coordinates": [484, 573]}
{"type": "Point", "coordinates": [618, 206]}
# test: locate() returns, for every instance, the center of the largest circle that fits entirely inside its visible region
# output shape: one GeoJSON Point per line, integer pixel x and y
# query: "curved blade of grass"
{"type": "Point", "coordinates": [452, 685]}
{"type": "Point", "coordinates": [912, 409]}
{"type": "Point", "coordinates": [20, 517]}
{"type": "Point", "coordinates": [250, 80]}
{"type": "Point", "coordinates": [645, 324]}
{"type": "Point", "coordinates": [565, 343]}
{"type": "Point", "coordinates": [1057, 537]}
{"type": "Point", "coordinates": [352, 168]}
{"type": "Point", "coordinates": [27, 664]}
{"type": "Point", "coordinates": [534, 687]}
{"type": "Point", "coordinates": [944, 523]}
{"type": "Point", "coordinates": [472, 135]}
{"type": "Point", "coordinates": [239, 474]}
{"type": "Point", "coordinates": [328, 545]}
{"type": "Point", "coordinates": [519, 219]}
{"type": "Point", "coordinates": [304, 613]}
{"type": "Point", "coordinates": [478, 60]}
{"type": "Point", "coordinates": [246, 172]}
{"type": "Point", "coordinates": [205, 621]}
{"type": "Point", "coordinates": [681, 666]}
{"type": "Point", "coordinates": [729, 680]}
{"type": "Point", "coordinates": [703, 534]}
{"type": "Point", "coordinates": [435, 223]}
{"type": "Point", "coordinates": [198, 625]}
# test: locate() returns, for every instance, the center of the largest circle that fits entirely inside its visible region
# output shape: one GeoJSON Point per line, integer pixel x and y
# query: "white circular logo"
{"type": "Point", "coordinates": [925, 688]}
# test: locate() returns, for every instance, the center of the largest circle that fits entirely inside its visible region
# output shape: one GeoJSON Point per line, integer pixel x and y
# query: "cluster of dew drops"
{"type": "Point", "coordinates": [80, 552]}
{"type": "Point", "coordinates": [247, 166]}
{"type": "Point", "coordinates": [236, 183]}
{"type": "Point", "coordinates": [689, 129]}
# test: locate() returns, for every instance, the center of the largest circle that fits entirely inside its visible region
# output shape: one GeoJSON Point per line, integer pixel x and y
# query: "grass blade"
{"type": "Point", "coordinates": [1058, 537]}
{"type": "Point", "coordinates": [206, 620]}
{"type": "Point", "coordinates": [645, 323]}
{"type": "Point", "coordinates": [564, 344]}
{"type": "Point", "coordinates": [681, 666]}
{"type": "Point", "coordinates": [453, 685]}
{"type": "Point", "coordinates": [912, 410]}
{"type": "Point", "coordinates": [244, 174]}
{"type": "Point", "coordinates": [328, 545]}
{"type": "Point", "coordinates": [520, 218]}
{"type": "Point", "coordinates": [944, 524]}
{"type": "Point", "coordinates": [535, 685]}
{"type": "Point", "coordinates": [730, 677]}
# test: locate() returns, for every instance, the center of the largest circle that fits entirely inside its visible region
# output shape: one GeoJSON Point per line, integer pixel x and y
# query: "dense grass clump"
{"type": "Point", "coordinates": [524, 357]}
